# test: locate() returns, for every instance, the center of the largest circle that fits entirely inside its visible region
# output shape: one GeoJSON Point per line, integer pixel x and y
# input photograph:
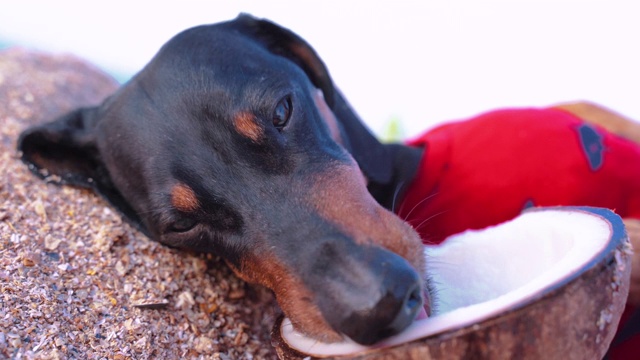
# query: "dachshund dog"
{"type": "Point", "coordinates": [234, 140]}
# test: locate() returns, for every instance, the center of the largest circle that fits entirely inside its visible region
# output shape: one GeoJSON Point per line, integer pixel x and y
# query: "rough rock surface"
{"type": "Point", "coordinates": [77, 282]}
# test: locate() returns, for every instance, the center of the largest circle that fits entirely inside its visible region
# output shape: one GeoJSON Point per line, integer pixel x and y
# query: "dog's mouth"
{"type": "Point", "coordinates": [311, 345]}
{"type": "Point", "coordinates": [425, 310]}
{"type": "Point", "coordinates": [559, 245]}
{"type": "Point", "coordinates": [422, 312]}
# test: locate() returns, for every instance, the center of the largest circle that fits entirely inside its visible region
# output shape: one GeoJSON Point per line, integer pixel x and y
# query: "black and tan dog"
{"type": "Point", "coordinates": [234, 140]}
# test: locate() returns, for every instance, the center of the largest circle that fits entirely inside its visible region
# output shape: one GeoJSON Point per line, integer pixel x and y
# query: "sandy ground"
{"type": "Point", "coordinates": [76, 282]}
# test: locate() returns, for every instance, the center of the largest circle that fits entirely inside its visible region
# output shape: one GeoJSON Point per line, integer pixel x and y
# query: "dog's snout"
{"type": "Point", "coordinates": [384, 306]}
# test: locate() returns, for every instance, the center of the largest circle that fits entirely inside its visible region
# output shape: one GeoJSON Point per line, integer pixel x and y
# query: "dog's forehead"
{"type": "Point", "coordinates": [221, 71]}
{"type": "Point", "coordinates": [224, 52]}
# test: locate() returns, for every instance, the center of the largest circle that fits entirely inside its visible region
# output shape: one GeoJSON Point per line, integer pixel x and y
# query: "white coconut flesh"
{"type": "Point", "coordinates": [480, 274]}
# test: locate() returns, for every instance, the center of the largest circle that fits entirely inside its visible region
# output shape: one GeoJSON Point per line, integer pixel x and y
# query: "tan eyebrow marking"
{"type": "Point", "coordinates": [247, 125]}
{"type": "Point", "coordinates": [328, 116]}
{"type": "Point", "coordinates": [183, 198]}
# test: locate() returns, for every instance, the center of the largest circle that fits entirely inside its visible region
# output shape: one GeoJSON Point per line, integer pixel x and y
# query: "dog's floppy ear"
{"type": "Point", "coordinates": [388, 168]}
{"type": "Point", "coordinates": [65, 152]}
{"type": "Point", "coordinates": [287, 44]}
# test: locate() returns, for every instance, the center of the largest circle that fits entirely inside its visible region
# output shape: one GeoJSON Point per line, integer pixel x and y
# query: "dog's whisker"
{"type": "Point", "coordinates": [423, 222]}
{"type": "Point", "coordinates": [313, 345]}
{"type": "Point", "coordinates": [151, 211]}
{"type": "Point", "coordinates": [395, 196]}
{"type": "Point", "coordinates": [287, 326]}
{"type": "Point", "coordinates": [400, 209]}
{"type": "Point", "coordinates": [406, 217]}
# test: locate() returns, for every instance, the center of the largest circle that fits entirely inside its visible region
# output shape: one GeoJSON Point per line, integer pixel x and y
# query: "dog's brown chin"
{"type": "Point", "coordinates": [294, 298]}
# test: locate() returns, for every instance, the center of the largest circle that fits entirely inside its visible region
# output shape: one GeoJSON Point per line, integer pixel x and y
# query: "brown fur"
{"type": "Point", "coordinates": [329, 117]}
{"type": "Point", "coordinates": [247, 125]}
{"type": "Point", "coordinates": [359, 216]}
{"type": "Point", "coordinates": [184, 199]}
{"type": "Point", "coordinates": [292, 295]}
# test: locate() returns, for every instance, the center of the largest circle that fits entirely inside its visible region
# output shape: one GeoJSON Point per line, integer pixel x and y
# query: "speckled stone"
{"type": "Point", "coordinates": [78, 282]}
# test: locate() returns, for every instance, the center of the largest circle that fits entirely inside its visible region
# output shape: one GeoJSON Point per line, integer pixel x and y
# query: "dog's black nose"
{"type": "Point", "coordinates": [398, 302]}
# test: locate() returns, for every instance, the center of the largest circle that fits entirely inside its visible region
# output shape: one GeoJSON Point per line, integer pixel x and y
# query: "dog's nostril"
{"type": "Point", "coordinates": [378, 298]}
{"type": "Point", "coordinates": [414, 300]}
{"type": "Point", "coordinates": [392, 314]}
{"type": "Point", "coordinates": [408, 310]}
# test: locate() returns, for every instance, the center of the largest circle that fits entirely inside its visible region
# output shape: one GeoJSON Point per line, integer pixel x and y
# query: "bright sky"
{"type": "Point", "coordinates": [420, 61]}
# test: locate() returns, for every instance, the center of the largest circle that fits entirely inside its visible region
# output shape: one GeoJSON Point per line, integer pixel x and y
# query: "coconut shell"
{"type": "Point", "coordinates": [574, 319]}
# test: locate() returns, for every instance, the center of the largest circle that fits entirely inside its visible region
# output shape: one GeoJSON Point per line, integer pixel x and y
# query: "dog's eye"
{"type": "Point", "coordinates": [282, 113]}
{"type": "Point", "coordinates": [183, 224]}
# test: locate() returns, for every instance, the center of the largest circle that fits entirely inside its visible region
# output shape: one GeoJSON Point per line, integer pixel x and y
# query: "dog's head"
{"type": "Point", "coordinates": [234, 140]}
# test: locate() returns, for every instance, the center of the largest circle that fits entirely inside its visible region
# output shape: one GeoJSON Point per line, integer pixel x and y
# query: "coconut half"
{"type": "Point", "coordinates": [551, 283]}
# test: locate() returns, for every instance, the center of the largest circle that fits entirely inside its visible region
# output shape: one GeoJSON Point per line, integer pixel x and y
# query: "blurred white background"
{"type": "Point", "coordinates": [422, 62]}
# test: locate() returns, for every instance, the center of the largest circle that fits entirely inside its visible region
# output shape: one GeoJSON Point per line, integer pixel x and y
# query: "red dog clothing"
{"type": "Point", "coordinates": [486, 170]}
